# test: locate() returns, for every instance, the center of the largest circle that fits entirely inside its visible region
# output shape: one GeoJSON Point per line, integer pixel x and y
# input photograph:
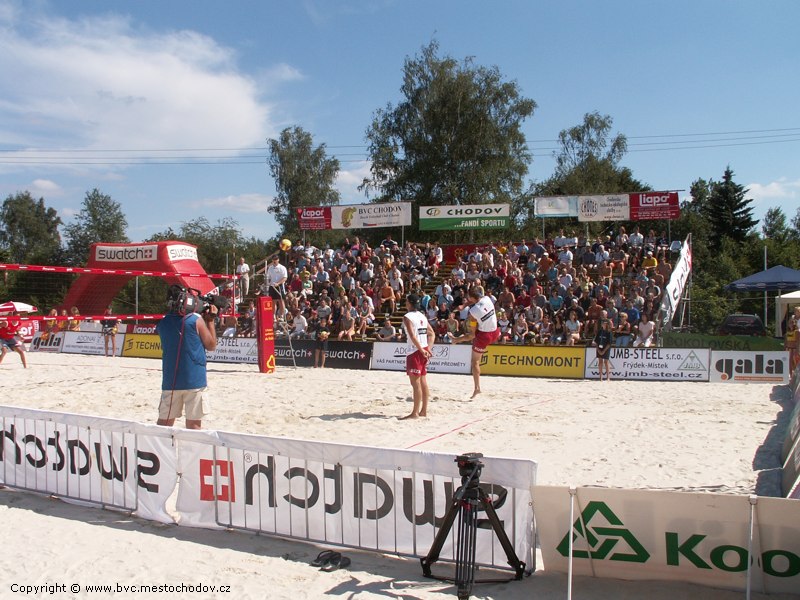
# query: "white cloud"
{"type": "Point", "coordinates": [67, 213]}
{"type": "Point", "coordinates": [348, 180]}
{"type": "Point", "coordinates": [101, 83]}
{"type": "Point", "coordinates": [45, 187]}
{"type": "Point", "coordinates": [782, 189]}
{"type": "Point", "coordinates": [241, 203]}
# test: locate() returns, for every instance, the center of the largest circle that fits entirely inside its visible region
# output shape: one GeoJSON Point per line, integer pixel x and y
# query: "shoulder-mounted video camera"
{"type": "Point", "coordinates": [185, 301]}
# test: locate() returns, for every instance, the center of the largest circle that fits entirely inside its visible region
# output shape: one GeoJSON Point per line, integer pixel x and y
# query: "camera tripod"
{"type": "Point", "coordinates": [467, 501]}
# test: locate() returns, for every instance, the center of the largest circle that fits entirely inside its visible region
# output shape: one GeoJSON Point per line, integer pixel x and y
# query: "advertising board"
{"type": "Point", "coordinates": [750, 367]}
{"type": "Point", "coordinates": [534, 361]}
{"type": "Point", "coordinates": [141, 345]}
{"type": "Point", "coordinates": [671, 536]}
{"type": "Point", "coordinates": [653, 364]}
{"type": "Point", "coordinates": [88, 343]}
{"type": "Point", "coordinates": [446, 358]}
{"type": "Point", "coordinates": [466, 216]}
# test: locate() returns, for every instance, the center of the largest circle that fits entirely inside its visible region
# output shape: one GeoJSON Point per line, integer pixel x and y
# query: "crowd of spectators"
{"type": "Point", "coordinates": [554, 291]}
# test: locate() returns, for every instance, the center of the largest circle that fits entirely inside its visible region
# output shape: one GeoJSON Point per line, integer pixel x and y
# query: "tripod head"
{"type": "Point", "coordinates": [470, 467]}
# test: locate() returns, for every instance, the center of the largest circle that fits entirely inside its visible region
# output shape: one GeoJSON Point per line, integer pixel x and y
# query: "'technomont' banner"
{"type": "Point", "coordinates": [466, 216]}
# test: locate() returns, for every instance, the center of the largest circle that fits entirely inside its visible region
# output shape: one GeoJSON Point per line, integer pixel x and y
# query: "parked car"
{"type": "Point", "coordinates": [741, 324]}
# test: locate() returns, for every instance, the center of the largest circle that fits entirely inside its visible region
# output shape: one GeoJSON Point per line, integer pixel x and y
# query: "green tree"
{"type": "Point", "coordinates": [587, 162]}
{"type": "Point", "coordinates": [728, 211]}
{"type": "Point", "coordinates": [100, 220]}
{"type": "Point", "coordinates": [29, 230]}
{"type": "Point", "coordinates": [304, 176]}
{"type": "Point", "coordinates": [454, 138]}
{"type": "Point", "coordinates": [774, 226]}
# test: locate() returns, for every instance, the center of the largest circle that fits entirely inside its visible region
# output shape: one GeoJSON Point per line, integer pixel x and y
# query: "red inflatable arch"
{"type": "Point", "coordinates": [93, 293]}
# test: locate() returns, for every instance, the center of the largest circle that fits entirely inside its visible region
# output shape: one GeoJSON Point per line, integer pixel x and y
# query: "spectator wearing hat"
{"type": "Point", "coordinates": [649, 263]}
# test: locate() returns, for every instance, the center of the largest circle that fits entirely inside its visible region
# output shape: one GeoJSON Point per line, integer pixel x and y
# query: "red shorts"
{"type": "Point", "coordinates": [483, 339]}
{"type": "Point", "coordinates": [417, 364]}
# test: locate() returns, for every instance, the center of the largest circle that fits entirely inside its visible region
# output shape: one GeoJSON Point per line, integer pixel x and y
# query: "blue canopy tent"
{"type": "Point", "coordinates": [777, 279]}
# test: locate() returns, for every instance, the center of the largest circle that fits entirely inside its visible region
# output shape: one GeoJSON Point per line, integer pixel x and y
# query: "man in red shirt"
{"type": "Point", "coordinates": [9, 328]}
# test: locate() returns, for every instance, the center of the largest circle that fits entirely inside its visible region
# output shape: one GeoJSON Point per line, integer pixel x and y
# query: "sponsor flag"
{"type": "Point", "coordinates": [266, 335]}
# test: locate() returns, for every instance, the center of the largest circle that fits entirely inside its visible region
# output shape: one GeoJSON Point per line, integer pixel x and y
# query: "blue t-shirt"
{"type": "Point", "coordinates": [186, 371]}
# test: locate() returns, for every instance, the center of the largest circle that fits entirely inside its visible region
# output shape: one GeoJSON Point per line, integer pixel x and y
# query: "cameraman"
{"type": "Point", "coordinates": [184, 341]}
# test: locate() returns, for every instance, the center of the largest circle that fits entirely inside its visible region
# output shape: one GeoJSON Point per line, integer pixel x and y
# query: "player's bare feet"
{"type": "Point", "coordinates": [475, 393]}
{"type": "Point", "coordinates": [411, 416]}
{"type": "Point", "coordinates": [423, 414]}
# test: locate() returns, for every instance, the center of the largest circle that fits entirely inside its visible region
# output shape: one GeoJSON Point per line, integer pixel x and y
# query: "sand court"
{"type": "Point", "coordinates": [646, 435]}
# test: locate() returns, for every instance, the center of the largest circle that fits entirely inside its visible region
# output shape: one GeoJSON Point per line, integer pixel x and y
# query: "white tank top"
{"type": "Point", "coordinates": [419, 323]}
{"type": "Point", "coordinates": [483, 312]}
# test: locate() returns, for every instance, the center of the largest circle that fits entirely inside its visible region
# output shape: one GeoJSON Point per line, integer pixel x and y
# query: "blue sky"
{"type": "Point", "coordinates": [202, 83]}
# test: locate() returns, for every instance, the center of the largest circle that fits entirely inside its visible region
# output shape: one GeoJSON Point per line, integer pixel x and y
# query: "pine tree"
{"type": "Point", "coordinates": [728, 211]}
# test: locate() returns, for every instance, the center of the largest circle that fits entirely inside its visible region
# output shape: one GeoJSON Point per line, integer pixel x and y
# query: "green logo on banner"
{"type": "Point", "coordinates": [606, 536]}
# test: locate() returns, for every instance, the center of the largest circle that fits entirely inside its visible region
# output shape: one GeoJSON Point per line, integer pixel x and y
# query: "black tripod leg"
{"type": "Point", "coordinates": [441, 538]}
{"type": "Point", "coordinates": [465, 553]}
{"type": "Point", "coordinates": [497, 526]}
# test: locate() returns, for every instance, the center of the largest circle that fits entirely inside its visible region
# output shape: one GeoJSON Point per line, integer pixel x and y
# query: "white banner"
{"type": "Point", "coordinates": [89, 343]}
{"type": "Point", "coordinates": [750, 367]}
{"type": "Point", "coordinates": [105, 461]}
{"type": "Point", "coordinates": [614, 207]}
{"type": "Point", "coordinates": [234, 350]}
{"type": "Point", "coordinates": [447, 358]}
{"type": "Point", "coordinates": [555, 206]}
{"type": "Point", "coordinates": [655, 364]}
{"type": "Point", "coordinates": [384, 214]}
{"type": "Point", "coordinates": [372, 498]}
{"type": "Point", "coordinates": [672, 536]}
{"type": "Point", "coordinates": [43, 342]}
{"type": "Point", "coordinates": [677, 283]}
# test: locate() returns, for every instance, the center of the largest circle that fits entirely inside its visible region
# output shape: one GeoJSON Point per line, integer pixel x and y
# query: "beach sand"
{"type": "Point", "coordinates": [646, 435]}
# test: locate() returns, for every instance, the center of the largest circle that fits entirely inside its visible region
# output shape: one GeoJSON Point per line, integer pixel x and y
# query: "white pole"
{"type": "Point", "coordinates": [572, 492]}
{"type": "Point", "coordinates": [765, 293]}
{"type": "Point", "coordinates": [753, 501]}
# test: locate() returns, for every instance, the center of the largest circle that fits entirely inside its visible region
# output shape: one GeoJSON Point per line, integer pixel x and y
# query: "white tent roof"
{"type": "Point", "coordinates": [782, 304]}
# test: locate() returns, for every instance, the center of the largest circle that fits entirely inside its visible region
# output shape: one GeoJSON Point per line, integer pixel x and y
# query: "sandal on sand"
{"type": "Point", "coordinates": [324, 557]}
{"type": "Point", "coordinates": [339, 562]}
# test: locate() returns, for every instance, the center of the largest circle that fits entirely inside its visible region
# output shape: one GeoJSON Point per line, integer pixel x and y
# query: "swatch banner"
{"type": "Point", "coordinates": [94, 459]}
{"type": "Point", "coordinates": [465, 216]}
{"type": "Point", "coordinates": [446, 358]}
{"type": "Point", "coordinates": [654, 206]}
{"type": "Point", "coordinates": [555, 206]}
{"type": "Point", "coordinates": [371, 498]}
{"type": "Point", "coordinates": [750, 367]}
{"type": "Point", "coordinates": [652, 364]}
{"type": "Point", "coordinates": [338, 355]}
{"type": "Point", "coordinates": [614, 207]}
{"type": "Point", "coordinates": [671, 536]}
